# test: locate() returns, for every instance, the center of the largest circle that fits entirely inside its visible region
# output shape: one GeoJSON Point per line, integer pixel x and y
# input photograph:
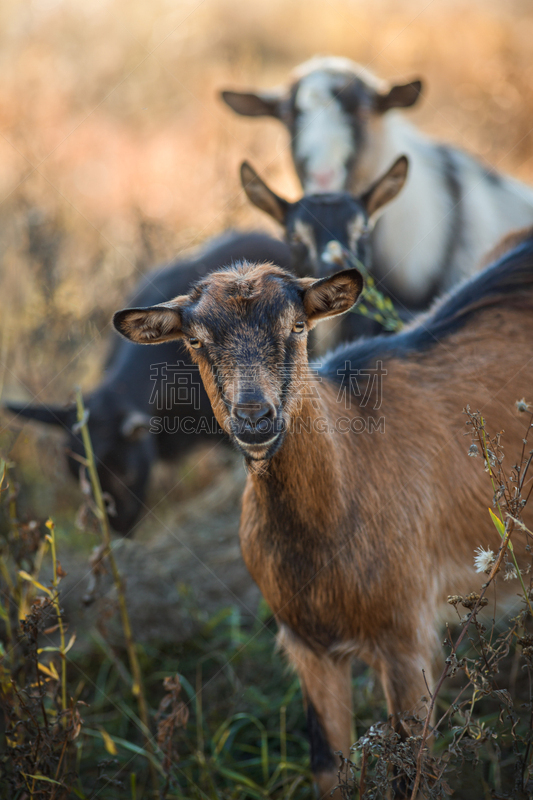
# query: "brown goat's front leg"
{"type": "Point", "coordinates": [327, 692]}
{"type": "Point", "coordinates": [405, 678]}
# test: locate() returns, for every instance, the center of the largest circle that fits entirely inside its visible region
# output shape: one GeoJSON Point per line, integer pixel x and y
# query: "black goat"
{"type": "Point", "coordinates": [322, 229]}
{"type": "Point", "coordinates": [151, 403]}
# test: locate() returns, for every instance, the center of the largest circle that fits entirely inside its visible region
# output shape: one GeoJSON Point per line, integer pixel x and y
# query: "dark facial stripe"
{"type": "Point", "coordinates": [357, 112]}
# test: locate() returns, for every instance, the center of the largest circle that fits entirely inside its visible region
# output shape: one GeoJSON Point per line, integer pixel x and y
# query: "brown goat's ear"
{"type": "Point", "coordinates": [261, 196]}
{"type": "Point", "coordinates": [385, 188]}
{"type": "Point", "coordinates": [400, 96]}
{"type": "Point", "coordinates": [331, 296]}
{"type": "Point", "coordinates": [254, 104]}
{"type": "Point", "coordinates": [153, 325]}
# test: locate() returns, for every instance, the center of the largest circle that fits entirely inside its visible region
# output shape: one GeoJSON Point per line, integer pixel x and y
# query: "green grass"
{"type": "Point", "coordinates": [245, 736]}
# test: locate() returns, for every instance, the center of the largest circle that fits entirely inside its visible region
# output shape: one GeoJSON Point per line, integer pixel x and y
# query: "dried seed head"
{"type": "Point", "coordinates": [473, 450]}
{"type": "Point", "coordinates": [492, 458]}
{"type": "Point", "coordinates": [454, 599]}
{"type": "Point", "coordinates": [522, 406]}
{"type": "Point", "coordinates": [471, 599]}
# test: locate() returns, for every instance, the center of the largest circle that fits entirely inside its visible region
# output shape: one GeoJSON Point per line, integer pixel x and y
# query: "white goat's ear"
{"type": "Point", "coordinates": [255, 104]}
{"type": "Point", "coordinates": [331, 296]}
{"type": "Point", "coordinates": [385, 189]}
{"type": "Point", "coordinates": [400, 96]}
{"type": "Point", "coordinates": [153, 325]}
{"type": "Point", "coordinates": [261, 195]}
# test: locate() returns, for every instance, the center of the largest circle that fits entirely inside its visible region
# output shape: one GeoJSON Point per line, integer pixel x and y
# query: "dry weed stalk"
{"type": "Point", "coordinates": [172, 715]}
{"type": "Point", "coordinates": [40, 723]}
{"type": "Point", "coordinates": [107, 553]}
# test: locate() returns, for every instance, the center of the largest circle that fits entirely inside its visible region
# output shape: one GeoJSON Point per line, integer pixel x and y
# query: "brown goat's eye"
{"type": "Point", "coordinates": [298, 327]}
{"type": "Point", "coordinates": [194, 342]}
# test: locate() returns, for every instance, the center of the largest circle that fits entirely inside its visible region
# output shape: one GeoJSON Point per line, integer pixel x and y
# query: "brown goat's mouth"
{"type": "Point", "coordinates": [259, 451]}
{"type": "Point", "coordinates": [260, 444]}
{"type": "Point", "coordinates": [257, 445]}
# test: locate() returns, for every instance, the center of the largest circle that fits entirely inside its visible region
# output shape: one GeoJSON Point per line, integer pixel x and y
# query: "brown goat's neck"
{"type": "Point", "coordinates": [305, 475]}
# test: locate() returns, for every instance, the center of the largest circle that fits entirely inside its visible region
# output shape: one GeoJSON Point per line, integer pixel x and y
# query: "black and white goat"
{"type": "Point", "coordinates": [345, 132]}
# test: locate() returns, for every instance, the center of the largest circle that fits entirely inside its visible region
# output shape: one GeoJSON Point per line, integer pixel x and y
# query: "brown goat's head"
{"type": "Point", "coordinates": [246, 327]}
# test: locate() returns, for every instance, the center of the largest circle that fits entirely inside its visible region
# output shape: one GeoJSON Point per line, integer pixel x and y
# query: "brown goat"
{"type": "Point", "coordinates": [356, 532]}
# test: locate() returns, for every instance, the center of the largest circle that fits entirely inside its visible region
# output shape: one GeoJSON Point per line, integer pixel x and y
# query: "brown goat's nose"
{"type": "Point", "coordinates": [256, 414]}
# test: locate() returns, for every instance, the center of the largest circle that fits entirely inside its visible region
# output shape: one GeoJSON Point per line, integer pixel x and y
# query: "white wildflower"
{"type": "Point", "coordinates": [521, 405]}
{"type": "Point", "coordinates": [483, 560]}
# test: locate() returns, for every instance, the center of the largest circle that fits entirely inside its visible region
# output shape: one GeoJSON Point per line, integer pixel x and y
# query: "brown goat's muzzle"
{"type": "Point", "coordinates": [256, 424]}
